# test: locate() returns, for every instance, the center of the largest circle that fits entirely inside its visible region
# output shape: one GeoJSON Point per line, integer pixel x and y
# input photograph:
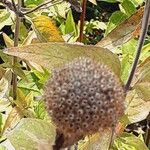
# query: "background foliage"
{"type": "Point", "coordinates": [46, 40]}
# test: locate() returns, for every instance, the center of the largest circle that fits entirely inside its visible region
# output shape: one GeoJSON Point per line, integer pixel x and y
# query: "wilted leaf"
{"type": "Point", "coordinates": [31, 134]}
{"type": "Point", "coordinates": [123, 32]}
{"type": "Point", "coordinates": [51, 55]}
{"type": "Point", "coordinates": [137, 109]}
{"type": "Point", "coordinates": [97, 142]}
{"type": "Point", "coordinates": [46, 30]}
{"type": "Point", "coordinates": [129, 141]}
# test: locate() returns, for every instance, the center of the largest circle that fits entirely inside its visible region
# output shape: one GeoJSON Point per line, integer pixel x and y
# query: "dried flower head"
{"type": "Point", "coordinates": [84, 97]}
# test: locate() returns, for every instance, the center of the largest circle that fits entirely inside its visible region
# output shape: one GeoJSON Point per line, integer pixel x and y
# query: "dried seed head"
{"type": "Point", "coordinates": [84, 97]}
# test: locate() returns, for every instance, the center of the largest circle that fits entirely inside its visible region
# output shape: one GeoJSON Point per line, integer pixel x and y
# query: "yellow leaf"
{"type": "Point", "coordinates": [46, 30]}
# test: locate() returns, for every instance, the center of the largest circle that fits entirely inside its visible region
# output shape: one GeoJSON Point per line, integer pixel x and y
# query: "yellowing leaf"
{"type": "Point", "coordinates": [52, 54]}
{"type": "Point", "coordinates": [97, 141]}
{"type": "Point", "coordinates": [137, 109]}
{"type": "Point", "coordinates": [123, 32]}
{"type": "Point", "coordinates": [46, 30]}
{"type": "Point", "coordinates": [33, 134]}
{"type": "Point", "coordinates": [9, 42]}
{"type": "Point", "coordinates": [143, 90]}
{"type": "Point", "coordinates": [13, 119]}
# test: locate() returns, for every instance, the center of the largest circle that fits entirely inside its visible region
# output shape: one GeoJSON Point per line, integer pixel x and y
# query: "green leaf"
{"type": "Point", "coordinates": [33, 134]}
{"type": "Point", "coordinates": [129, 141]}
{"type": "Point", "coordinates": [128, 7]}
{"type": "Point", "coordinates": [116, 18]}
{"type": "Point", "coordinates": [52, 55]}
{"type": "Point", "coordinates": [40, 110]}
{"type": "Point", "coordinates": [125, 67]}
{"type": "Point", "coordinates": [70, 26]}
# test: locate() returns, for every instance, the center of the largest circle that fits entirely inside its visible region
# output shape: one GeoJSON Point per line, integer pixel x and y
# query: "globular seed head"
{"type": "Point", "coordinates": [90, 95]}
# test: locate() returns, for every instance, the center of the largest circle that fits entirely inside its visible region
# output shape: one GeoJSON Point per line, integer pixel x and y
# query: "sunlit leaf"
{"type": "Point", "coordinates": [137, 109]}
{"type": "Point", "coordinates": [143, 90]}
{"type": "Point", "coordinates": [5, 84]}
{"type": "Point", "coordinates": [46, 30]}
{"type": "Point", "coordinates": [93, 2]}
{"type": "Point", "coordinates": [13, 119]}
{"type": "Point", "coordinates": [5, 18]}
{"type": "Point", "coordinates": [128, 7]}
{"type": "Point", "coordinates": [33, 134]}
{"type": "Point", "coordinates": [97, 142]}
{"type": "Point", "coordinates": [129, 141]}
{"type": "Point", "coordinates": [123, 32]}
{"type": "Point", "coordinates": [9, 42]}
{"type": "Point", "coordinates": [55, 54]}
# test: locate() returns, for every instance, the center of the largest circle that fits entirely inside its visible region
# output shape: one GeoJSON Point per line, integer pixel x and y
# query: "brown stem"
{"type": "Point", "coordinates": [14, 61]}
{"type": "Point", "coordinates": [140, 43]}
{"type": "Point", "coordinates": [82, 20]}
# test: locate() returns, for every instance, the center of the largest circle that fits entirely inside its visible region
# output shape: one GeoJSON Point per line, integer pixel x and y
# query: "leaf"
{"type": "Point", "coordinates": [93, 2]}
{"type": "Point", "coordinates": [5, 84]}
{"type": "Point", "coordinates": [129, 141]}
{"type": "Point", "coordinates": [143, 73]}
{"type": "Point", "coordinates": [9, 42]}
{"type": "Point", "coordinates": [116, 18]}
{"type": "Point", "coordinates": [46, 30]}
{"type": "Point", "coordinates": [33, 134]}
{"type": "Point", "coordinates": [128, 7]}
{"type": "Point", "coordinates": [70, 26]}
{"type": "Point", "coordinates": [5, 18]}
{"type": "Point", "coordinates": [13, 119]}
{"type": "Point", "coordinates": [40, 110]}
{"type": "Point", "coordinates": [22, 101]}
{"type": "Point", "coordinates": [52, 55]}
{"type": "Point", "coordinates": [136, 108]}
{"type": "Point", "coordinates": [123, 32]}
{"type": "Point", "coordinates": [97, 141]}
{"type": "Point", "coordinates": [143, 90]}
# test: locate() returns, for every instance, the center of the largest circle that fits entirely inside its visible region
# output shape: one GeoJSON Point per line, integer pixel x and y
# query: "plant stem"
{"type": "Point", "coordinates": [41, 5]}
{"type": "Point", "coordinates": [16, 41]}
{"type": "Point", "coordinates": [82, 20]}
{"type": "Point", "coordinates": [140, 43]}
{"type": "Point", "coordinates": [14, 5]}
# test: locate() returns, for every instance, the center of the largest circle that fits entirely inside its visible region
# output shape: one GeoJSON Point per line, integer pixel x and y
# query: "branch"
{"type": "Point", "coordinates": [144, 29]}
{"type": "Point", "coordinates": [82, 19]}
{"type": "Point", "coordinates": [41, 5]}
{"type": "Point", "coordinates": [8, 4]}
{"type": "Point", "coordinates": [16, 41]}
